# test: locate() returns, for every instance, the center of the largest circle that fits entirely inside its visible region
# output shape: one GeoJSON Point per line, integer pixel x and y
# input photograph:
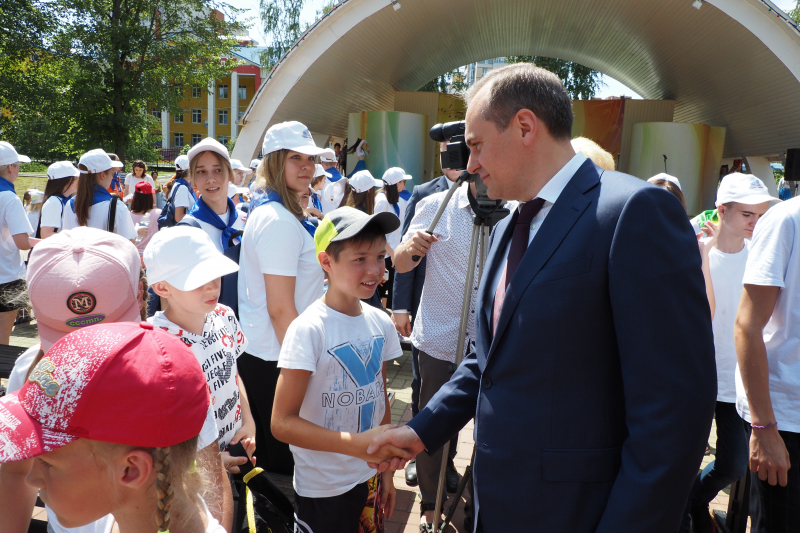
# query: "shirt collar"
{"type": "Point", "coordinates": [552, 189]}
{"type": "Point", "coordinates": [461, 199]}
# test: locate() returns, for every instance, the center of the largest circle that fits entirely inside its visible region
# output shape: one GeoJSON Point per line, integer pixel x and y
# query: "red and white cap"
{"type": "Point", "coordinates": [81, 277]}
{"type": "Point", "coordinates": [125, 383]}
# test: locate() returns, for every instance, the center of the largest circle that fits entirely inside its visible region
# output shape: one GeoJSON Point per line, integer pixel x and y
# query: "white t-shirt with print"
{"type": "Point", "coordinates": [727, 271]}
{"type": "Point", "coordinates": [331, 195]}
{"type": "Point", "coordinates": [52, 212]}
{"type": "Point", "coordinates": [182, 196]}
{"type": "Point", "coordinates": [345, 355]}
{"type": "Point", "coordinates": [382, 205]}
{"type": "Point", "coordinates": [14, 222]}
{"type": "Point", "coordinates": [774, 261]}
{"type": "Point", "coordinates": [215, 233]}
{"type": "Point", "coordinates": [217, 350]}
{"type": "Point", "coordinates": [274, 242]}
{"type": "Point", "coordinates": [208, 435]}
{"type": "Point", "coordinates": [98, 218]}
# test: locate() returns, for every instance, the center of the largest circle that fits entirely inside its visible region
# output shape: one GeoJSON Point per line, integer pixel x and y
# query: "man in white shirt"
{"type": "Point", "coordinates": [741, 200]}
{"type": "Point", "coordinates": [768, 374]}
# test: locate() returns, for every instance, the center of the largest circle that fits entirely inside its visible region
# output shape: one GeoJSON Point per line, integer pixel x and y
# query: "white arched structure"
{"type": "Point", "coordinates": [732, 63]}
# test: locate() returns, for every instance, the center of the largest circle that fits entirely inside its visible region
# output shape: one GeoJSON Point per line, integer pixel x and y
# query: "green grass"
{"type": "Point", "coordinates": [23, 183]}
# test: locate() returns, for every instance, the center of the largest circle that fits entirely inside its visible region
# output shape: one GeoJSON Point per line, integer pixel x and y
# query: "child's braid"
{"type": "Point", "coordinates": [163, 465]}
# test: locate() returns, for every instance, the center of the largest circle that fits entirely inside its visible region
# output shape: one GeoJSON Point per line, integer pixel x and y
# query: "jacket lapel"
{"type": "Point", "coordinates": [565, 212]}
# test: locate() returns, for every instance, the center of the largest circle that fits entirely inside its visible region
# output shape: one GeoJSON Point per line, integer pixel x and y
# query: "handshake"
{"type": "Point", "coordinates": [389, 447]}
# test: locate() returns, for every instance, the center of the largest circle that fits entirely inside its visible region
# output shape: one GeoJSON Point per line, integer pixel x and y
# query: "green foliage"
{"type": "Point", "coordinates": [778, 174]}
{"type": "Point", "coordinates": [280, 20]}
{"type": "Point", "coordinates": [452, 82]}
{"type": "Point", "coordinates": [32, 167]}
{"type": "Point", "coordinates": [582, 83]}
{"type": "Point", "coordinates": [795, 13]}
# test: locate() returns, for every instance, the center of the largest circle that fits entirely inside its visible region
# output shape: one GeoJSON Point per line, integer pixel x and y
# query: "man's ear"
{"type": "Point", "coordinates": [134, 469]}
{"type": "Point", "coordinates": [527, 123]}
{"type": "Point", "coordinates": [161, 289]}
{"type": "Point", "coordinates": [325, 260]}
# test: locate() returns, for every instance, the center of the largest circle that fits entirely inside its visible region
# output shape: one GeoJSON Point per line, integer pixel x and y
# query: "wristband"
{"type": "Point", "coordinates": [763, 427]}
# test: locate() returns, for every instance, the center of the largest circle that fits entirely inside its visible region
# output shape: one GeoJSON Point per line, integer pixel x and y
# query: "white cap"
{"type": "Point", "coordinates": [363, 181]}
{"type": "Point", "coordinates": [37, 196]}
{"type": "Point", "coordinates": [743, 189]}
{"type": "Point", "coordinates": [395, 175]}
{"type": "Point", "coordinates": [237, 165]}
{"type": "Point", "coordinates": [182, 162]}
{"type": "Point", "coordinates": [319, 171]}
{"type": "Point", "coordinates": [327, 158]}
{"type": "Point", "coordinates": [185, 258]}
{"type": "Point", "coordinates": [9, 155]}
{"type": "Point", "coordinates": [208, 145]}
{"type": "Point", "coordinates": [662, 176]}
{"type": "Point", "coordinates": [254, 163]}
{"type": "Point", "coordinates": [292, 136]}
{"type": "Point", "coordinates": [62, 169]}
{"type": "Point", "coordinates": [97, 160]}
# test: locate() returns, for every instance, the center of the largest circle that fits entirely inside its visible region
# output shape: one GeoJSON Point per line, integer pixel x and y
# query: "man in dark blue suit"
{"type": "Point", "coordinates": [593, 381]}
{"type": "Point", "coordinates": [406, 294]}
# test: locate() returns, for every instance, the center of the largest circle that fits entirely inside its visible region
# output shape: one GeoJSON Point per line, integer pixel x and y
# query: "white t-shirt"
{"type": "Point", "coordinates": [216, 234]}
{"type": "Point", "coordinates": [217, 350]}
{"type": "Point", "coordinates": [382, 205]}
{"type": "Point", "coordinates": [52, 212]}
{"type": "Point", "coordinates": [33, 218]}
{"type": "Point", "coordinates": [274, 242]}
{"type": "Point", "coordinates": [130, 183]}
{"type": "Point", "coordinates": [727, 271]}
{"type": "Point", "coordinates": [98, 218]}
{"type": "Point", "coordinates": [774, 260]}
{"type": "Point", "coordinates": [14, 222]}
{"type": "Point", "coordinates": [345, 356]}
{"type": "Point", "coordinates": [208, 434]}
{"type": "Point", "coordinates": [331, 195]}
{"type": "Point", "coordinates": [182, 197]}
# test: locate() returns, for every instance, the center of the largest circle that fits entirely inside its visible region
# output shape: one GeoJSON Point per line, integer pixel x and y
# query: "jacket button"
{"type": "Point", "coordinates": [486, 383]}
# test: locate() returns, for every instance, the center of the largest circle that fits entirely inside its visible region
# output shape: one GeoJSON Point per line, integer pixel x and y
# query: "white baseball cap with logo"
{"type": "Point", "coordinates": [97, 160]}
{"type": "Point", "coordinates": [9, 155]}
{"type": "Point", "coordinates": [395, 175]}
{"type": "Point", "coordinates": [62, 169]}
{"type": "Point", "coordinates": [743, 189]}
{"type": "Point", "coordinates": [208, 145]}
{"type": "Point", "coordinates": [363, 181]}
{"type": "Point", "coordinates": [292, 136]}
{"type": "Point", "coordinates": [182, 162]}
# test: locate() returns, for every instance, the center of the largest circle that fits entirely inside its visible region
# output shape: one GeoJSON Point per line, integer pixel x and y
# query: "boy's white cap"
{"type": "Point", "coordinates": [254, 163]}
{"type": "Point", "coordinates": [395, 175]}
{"type": "Point", "coordinates": [292, 136]}
{"type": "Point", "coordinates": [97, 160]}
{"type": "Point", "coordinates": [662, 176]}
{"type": "Point", "coordinates": [319, 171]}
{"type": "Point", "coordinates": [208, 145]}
{"type": "Point", "coordinates": [185, 258]}
{"type": "Point", "coordinates": [743, 189]}
{"type": "Point", "coordinates": [363, 181]}
{"type": "Point", "coordinates": [237, 165]}
{"type": "Point", "coordinates": [9, 155]}
{"type": "Point", "coordinates": [328, 158]}
{"type": "Point", "coordinates": [62, 169]}
{"type": "Point", "coordinates": [37, 196]}
{"type": "Point", "coordinates": [182, 162]}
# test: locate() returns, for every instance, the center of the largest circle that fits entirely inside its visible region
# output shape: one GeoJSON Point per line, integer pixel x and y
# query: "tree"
{"type": "Point", "coordinates": [582, 83]}
{"type": "Point", "coordinates": [281, 24]}
{"type": "Point", "coordinates": [452, 81]}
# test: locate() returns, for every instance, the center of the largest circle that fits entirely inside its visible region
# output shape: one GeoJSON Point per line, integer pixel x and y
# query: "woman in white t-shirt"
{"type": "Point", "coordinates": [62, 183]}
{"type": "Point", "coordinates": [210, 172]}
{"type": "Point", "coordinates": [279, 276]}
{"type": "Point", "coordinates": [144, 215]}
{"type": "Point", "coordinates": [91, 204]}
{"type": "Point", "coordinates": [138, 173]}
{"type": "Point", "coordinates": [392, 199]}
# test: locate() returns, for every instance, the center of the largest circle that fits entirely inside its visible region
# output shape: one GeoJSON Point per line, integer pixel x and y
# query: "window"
{"type": "Point", "coordinates": [197, 92]}
{"type": "Point", "coordinates": [196, 138]}
{"type": "Point", "coordinates": [197, 116]}
{"type": "Point", "coordinates": [242, 92]}
{"type": "Point", "coordinates": [177, 139]}
{"type": "Point", "coordinates": [484, 71]}
{"type": "Point", "coordinates": [178, 118]}
{"type": "Point", "coordinates": [222, 117]}
{"type": "Point", "coordinates": [223, 139]}
{"type": "Point", "coordinates": [222, 91]}
{"type": "Point", "coordinates": [156, 113]}
{"type": "Point", "coordinates": [239, 116]}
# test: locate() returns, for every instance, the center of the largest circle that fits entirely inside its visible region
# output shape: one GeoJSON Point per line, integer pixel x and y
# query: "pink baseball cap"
{"type": "Point", "coordinates": [125, 383]}
{"type": "Point", "coordinates": [82, 277]}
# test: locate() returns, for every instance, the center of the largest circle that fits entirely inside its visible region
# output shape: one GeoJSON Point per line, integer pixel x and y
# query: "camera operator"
{"type": "Point", "coordinates": [435, 332]}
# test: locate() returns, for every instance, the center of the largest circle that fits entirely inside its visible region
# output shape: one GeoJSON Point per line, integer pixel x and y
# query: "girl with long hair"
{"type": "Point", "coordinates": [361, 149]}
{"type": "Point", "coordinates": [360, 192]}
{"type": "Point", "coordinates": [279, 276]}
{"type": "Point", "coordinates": [62, 183]}
{"type": "Point", "coordinates": [91, 205]}
{"type": "Point", "coordinates": [144, 214]}
{"type": "Point", "coordinates": [138, 173]}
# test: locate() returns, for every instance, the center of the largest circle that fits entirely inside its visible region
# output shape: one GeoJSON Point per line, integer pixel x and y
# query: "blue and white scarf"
{"type": "Point", "coordinates": [266, 196]}
{"type": "Point", "coordinates": [203, 213]}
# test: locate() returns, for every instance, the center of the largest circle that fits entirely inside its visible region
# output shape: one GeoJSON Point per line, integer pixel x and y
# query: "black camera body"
{"type": "Point", "coordinates": [457, 154]}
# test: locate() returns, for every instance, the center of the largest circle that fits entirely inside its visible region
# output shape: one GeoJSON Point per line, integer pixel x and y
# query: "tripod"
{"type": "Point", "coordinates": [485, 214]}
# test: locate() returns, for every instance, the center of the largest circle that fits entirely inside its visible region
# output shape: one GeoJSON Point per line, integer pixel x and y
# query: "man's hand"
{"type": "Point", "coordinates": [402, 323]}
{"type": "Point", "coordinates": [363, 441]}
{"type": "Point", "coordinates": [768, 456]}
{"type": "Point", "coordinates": [402, 438]}
{"type": "Point", "coordinates": [388, 495]}
{"type": "Point", "coordinates": [420, 243]}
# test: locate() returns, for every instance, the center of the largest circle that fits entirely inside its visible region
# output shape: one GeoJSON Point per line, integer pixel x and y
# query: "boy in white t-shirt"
{"type": "Point", "coordinates": [331, 399]}
{"type": "Point", "coordinates": [184, 267]}
{"type": "Point", "coordinates": [741, 201]}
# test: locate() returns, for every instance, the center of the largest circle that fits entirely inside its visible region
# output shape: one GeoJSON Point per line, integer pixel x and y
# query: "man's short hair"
{"type": "Point", "coordinates": [525, 86]}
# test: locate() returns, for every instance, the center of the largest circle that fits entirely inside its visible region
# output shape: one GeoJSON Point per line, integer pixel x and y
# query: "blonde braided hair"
{"type": "Point", "coordinates": [163, 466]}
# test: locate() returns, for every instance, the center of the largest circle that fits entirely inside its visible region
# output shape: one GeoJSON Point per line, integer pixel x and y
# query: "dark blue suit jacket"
{"type": "Point", "coordinates": [594, 398]}
{"type": "Point", "coordinates": [408, 286]}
